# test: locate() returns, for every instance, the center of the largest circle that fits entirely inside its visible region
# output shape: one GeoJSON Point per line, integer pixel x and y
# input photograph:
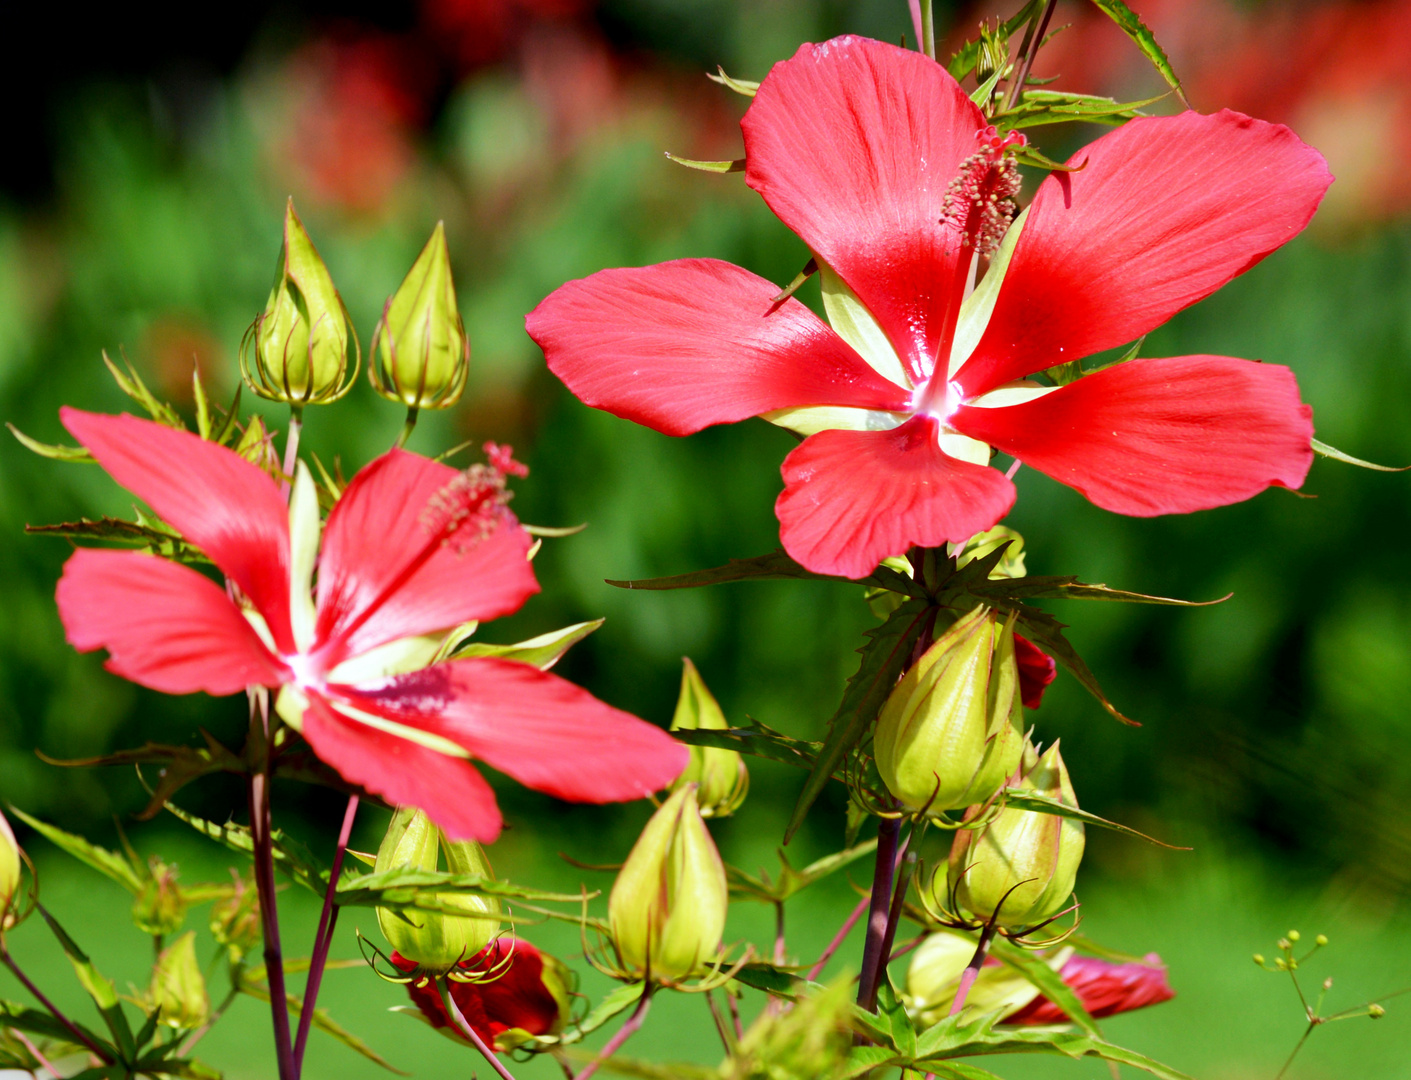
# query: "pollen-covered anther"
{"type": "Point", "coordinates": [980, 200]}
{"type": "Point", "coordinates": [467, 510]}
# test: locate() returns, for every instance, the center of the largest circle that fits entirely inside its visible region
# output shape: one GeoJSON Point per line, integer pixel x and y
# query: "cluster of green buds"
{"type": "Point", "coordinates": [1017, 871]}
{"type": "Point", "coordinates": [160, 908]}
{"type": "Point", "coordinates": [302, 349]}
{"type": "Point", "coordinates": [722, 781]}
{"type": "Point", "coordinates": [235, 918]}
{"type": "Point", "coordinates": [951, 732]}
{"type": "Point", "coordinates": [666, 912]}
{"type": "Point", "coordinates": [436, 940]}
{"type": "Point", "coordinates": [420, 352]}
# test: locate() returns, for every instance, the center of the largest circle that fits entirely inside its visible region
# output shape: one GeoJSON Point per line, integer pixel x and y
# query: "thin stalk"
{"type": "Point", "coordinates": [1306, 1032]}
{"type": "Point", "coordinates": [211, 1021]}
{"type": "Point", "coordinates": [839, 937]}
{"type": "Point", "coordinates": [928, 29]}
{"type": "Point", "coordinates": [726, 1036]}
{"type": "Point", "coordinates": [291, 446]}
{"type": "Point", "coordinates": [625, 1032]}
{"type": "Point", "coordinates": [734, 1007]}
{"type": "Point", "coordinates": [906, 860]}
{"type": "Point", "coordinates": [44, 1062]}
{"type": "Point", "coordinates": [779, 952]}
{"type": "Point", "coordinates": [972, 970]}
{"type": "Point", "coordinates": [49, 1007]}
{"type": "Point", "coordinates": [269, 915]}
{"type": "Point", "coordinates": [873, 952]}
{"type": "Point", "coordinates": [902, 950]}
{"type": "Point", "coordinates": [412, 413]}
{"type": "Point", "coordinates": [454, 1012]}
{"type": "Point", "coordinates": [1016, 87]}
{"type": "Point", "coordinates": [323, 937]}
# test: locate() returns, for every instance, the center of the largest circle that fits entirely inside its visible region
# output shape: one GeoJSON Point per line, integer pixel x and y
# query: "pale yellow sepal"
{"type": "Point", "coordinates": [303, 554]}
{"type": "Point", "coordinates": [856, 325]}
{"type": "Point", "coordinates": [977, 308]}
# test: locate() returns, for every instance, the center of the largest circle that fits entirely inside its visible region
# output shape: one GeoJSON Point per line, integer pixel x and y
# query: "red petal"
{"type": "Point", "coordinates": [405, 773]}
{"type": "Point", "coordinates": [427, 997]}
{"type": "Point", "coordinates": [1104, 989]}
{"type": "Point", "coordinates": [1166, 211]}
{"type": "Point", "coordinates": [686, 344]}
{"type": "Point", "coordinates": [853, 143]}
{"type": "Point", "coordinates": [545, 732]}
{"type": "Point", "coordinates": [1160, 436]}
{"type": "Point", "coordinates": [375, 532]}
{"type": "Point", "coordinates": [212, 496]}
{"type": "Point", "coordinates": [1036, 670]}
{"type": "Point", "coordinates": [164, 625]}
{"type": "Point", "coordinates": [515, 997]}
{"type": "Point", "coordinates": [853, 498]}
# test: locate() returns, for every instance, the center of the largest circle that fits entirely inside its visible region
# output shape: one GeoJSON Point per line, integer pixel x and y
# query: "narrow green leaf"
{"type": "Point", "coordinates": [738, 165]}
{"type": "Point", "coordinates": [982, 93]}
{"type": "Point", "coordinates": [1070, 588]}
{"type": "Point", "coordinates": [157, 539]}
{"type": "Point", "coordinates": [290, 856]}
{"type": "Point", "coordinates": [38, 1022]}
{"type": "Point", "coordinates": [108, 863]}
{"type": "Point", "coordinates": [747, 87]}
{"type": "Point", "coordinates": [1145, 40]}
{"type": "Point", "coordinates": [179, 766]}
{"type": "Point", "coordinates": [884, 658]}
{"type": "Point", "coordinates": [957, 1070]}
{"type": "Point", "coordinates": [1347, 459]}
{"type": "Point", "coordinates": [98, 987]}
{"type": "Point", "coordinates": [1042, 804]}
{"type": "Point", "coordinates": [542, 652]}
{"type": "Point", "coordinates": [553, 531]}
{"type": "Point", "coordinates": [1047, 981]}
{"type": "Point", "coordinates": [776, 566]}
{"type": "Point", "coordinates": [757, 741]}
{"type": "Point", "coordinates": [1038, 107]}
{"type": "Point", "coordinates": [1047, 632]}
{"type": "Point", "coordinates": [51, 450]}
{"type": "Point", "coordinates": [131, 384]}
{"type": "Point", "coordinates": [791, 881]}
{"type": "Point", "coordinates": [1029, 155]}
{"type": "Point", "coordinates": [893, 1011]}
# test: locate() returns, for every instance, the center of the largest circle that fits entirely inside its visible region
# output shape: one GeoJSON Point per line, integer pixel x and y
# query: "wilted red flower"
{"type": "Point", "coordinates": [411, 550]}
{"type": "Point", "coordinates": [1103, 987]}
{"type": "Point", "coordinates": [518, 992]}
{"type": "Point", "coordinates": [869, 153]}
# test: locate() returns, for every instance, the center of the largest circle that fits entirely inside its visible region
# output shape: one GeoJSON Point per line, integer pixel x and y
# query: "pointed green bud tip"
{"type": "Point", "coordinates": [420, 353]}
{"type": "Point", "coordinates": [298, 349]}
{"type": "Point", "coordinates": [1321, 940]}
{"type": "Point", "coordinates": [160, 908]}
{"type": "Point", "coordinates": [951, 732]}
{"type": "Point", "coordinates": [1259, 959]}
{"type": "Point", "coordinates": [1376, 1012]}
{"type": "Point", "coordinates": [178, 987]}
{"type": "Point", "coordinates": [1019, 869]}
{"type": "Point", "coordinates": [9, 870]}
{"type": "Point", "coordinates": [722, 780]}
{"type": "Point", "coordinates": [666, 912]}
{"type": "Point", "coordinates": [435, 940]}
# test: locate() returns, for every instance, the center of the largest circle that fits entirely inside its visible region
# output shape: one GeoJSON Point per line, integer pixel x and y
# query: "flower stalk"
{"type": "Point", "coordinates": [458, 1018]}
{"type": "Point", "coordinates": [874, 950]}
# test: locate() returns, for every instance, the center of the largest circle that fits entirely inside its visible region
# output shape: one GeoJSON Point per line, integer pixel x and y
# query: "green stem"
{"type": "Point", "coordinates": [928, 29]}
{"type": "Point", "coordinates": [1306, 1032]}
{"type": "Point", "coordinates": [49, 1007]}
{"type": "Point", "coordinates": [458, 1018]}
{"type": "Point", "coordinates": [407, 428]}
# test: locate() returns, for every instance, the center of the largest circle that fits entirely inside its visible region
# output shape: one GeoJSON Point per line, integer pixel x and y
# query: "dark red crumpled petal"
{"type": "Point", "coordinates": [1036, 670]}
{"type": "Point", "coordinates": [1104, 989]}
{"type": "Point", "coordinates": [517, 998]}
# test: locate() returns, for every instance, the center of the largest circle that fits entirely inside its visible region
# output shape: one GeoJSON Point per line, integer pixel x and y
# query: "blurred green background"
{"type": "Point", "coordinates": [141, 213]}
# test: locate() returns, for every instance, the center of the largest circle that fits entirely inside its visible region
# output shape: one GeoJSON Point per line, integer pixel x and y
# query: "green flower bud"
{"type": "Point", "coordinates": [951, 732]}
{"type": "Point", "coordinates": [1020, 868]}
{"type": "Point", "coordinates": [934, 977]}
{"type": "Point", "coordinates": [302, 341]}
{"type": "Point", "coordinates": [1375, 1011]}
{"type": "Point", "coordinates": [178, 987]}
{"type": "Point", "coordinates": [9, 869]}
{"type": "Point", "coordinates": [721, 778]}
{"type": "Point", "coordinates": [235, 920]}
{"type": "Point", "coordinates": [666, 912]}
{"type": "Point", "coordinates": [420, 352]}
{"type": "Point", "coordinates": [160, 908]}
{"type": "Point", "coordinates": [434, 940]}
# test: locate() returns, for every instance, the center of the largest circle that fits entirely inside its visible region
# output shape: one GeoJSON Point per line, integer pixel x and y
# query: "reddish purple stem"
{"type": "Point", "coordinates": [625, 1032]}
{"type": "Point", "coordinates": [839, 937]}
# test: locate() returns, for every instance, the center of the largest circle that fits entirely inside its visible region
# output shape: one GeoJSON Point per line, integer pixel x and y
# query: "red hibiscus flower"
{"type": "Point", "coordinates": [1104, 988]}
{"type": "Point", "coordinates": [519, 992]}
{"type": "Point", "coordinates": [411, 550]}
{"type": "Point", "coordinates": [870, 154]}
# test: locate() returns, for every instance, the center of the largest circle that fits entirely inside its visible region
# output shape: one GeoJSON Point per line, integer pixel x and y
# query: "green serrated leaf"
{"type": "Point", "coordinates": [1070, 588]}
{"type": "Point", "coordinates": [738, 165]}
{"type": "Point", "coordinates": [98, 987]}
{"type": "Point", "coordinates": [1037, 107]}
{"type": "Point", "coordinates": [131, 384]}
{"type": "Point", "coordinates": [1333, 452]}
{"type": "Point", "coordinates": [179, 766]}
{"type": "Point", "coordinates": [1047, 981]}
{"type": "Point", "coordinates": [1047, 632]}
{"type": "Point", "coordinates": [37, 1022]}
{"type": "Point", "coordinates": [108, 863]}
{"type": "Point", "coordinates": [891, 1008]}
{"type": "Point", "coordinates": [542, 652]}
{"type": "Point", "coordinates": [1144, 39]}
{"type": "Point", "coordinates": [290, 856]}
{"type": "Point", "coordinates": [884, 658]}
{"type": "Point", "coordinates": [1042, 804]}
{"type": "Point", "coordinates": [791, 881]}
{"type": "Point", "coordinates": [154, 538]}
{"type": "Point", "coordinates": [1030, 155]}
{"type": "Point", "coordinates": [756, 740]}
{"type": "Point", "coordinates": [776, 566]}
{"type": "Point", "coordinates": [51, 450]}
{"type": "Point", "coordinates": [982, 93]}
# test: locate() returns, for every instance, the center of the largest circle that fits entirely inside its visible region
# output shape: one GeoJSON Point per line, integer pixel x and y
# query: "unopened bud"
{"type": "Point", "coordinates": [667, 909]}
{"type": "Point", "coordinates": [1020, 868]}
{"type": "Point", "coordinates": [934, 977]}
{"type": "Point", "coordinates": [178, 987]}
{"type": "Point", "coordinates": [235, 919]}
{"type": "Point", "coordinates": [1294, 935]}
{"type": "Point", "coordinates": [951, 732]}
{"type": "Point", "coordinates": [720, 775]}
{"type": "Point", "coordinates": [1376, 1012]}
{"type": "Point", "coordinates": [302, 341]}
{"type": "Point", "coordinates": [420, 354]}
{"type": "Point", "coordinates": [435, 940]}
{"type": "Point", "coordinates": [1259, 959]}
{"type": "Point", "coordinates": [1328, 983]}
{"type": "Point", "coordinates": [160, 908]}
{"type": "Point", "coordinates": [1320, 940]}
{"type": "Point", "coordinates": [9, 869]}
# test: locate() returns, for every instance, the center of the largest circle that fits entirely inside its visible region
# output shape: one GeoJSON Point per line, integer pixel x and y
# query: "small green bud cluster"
{"type": "Point", "coordinates": [435, 940]}
{"type": "Point", "coordinates": [160, 908]}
